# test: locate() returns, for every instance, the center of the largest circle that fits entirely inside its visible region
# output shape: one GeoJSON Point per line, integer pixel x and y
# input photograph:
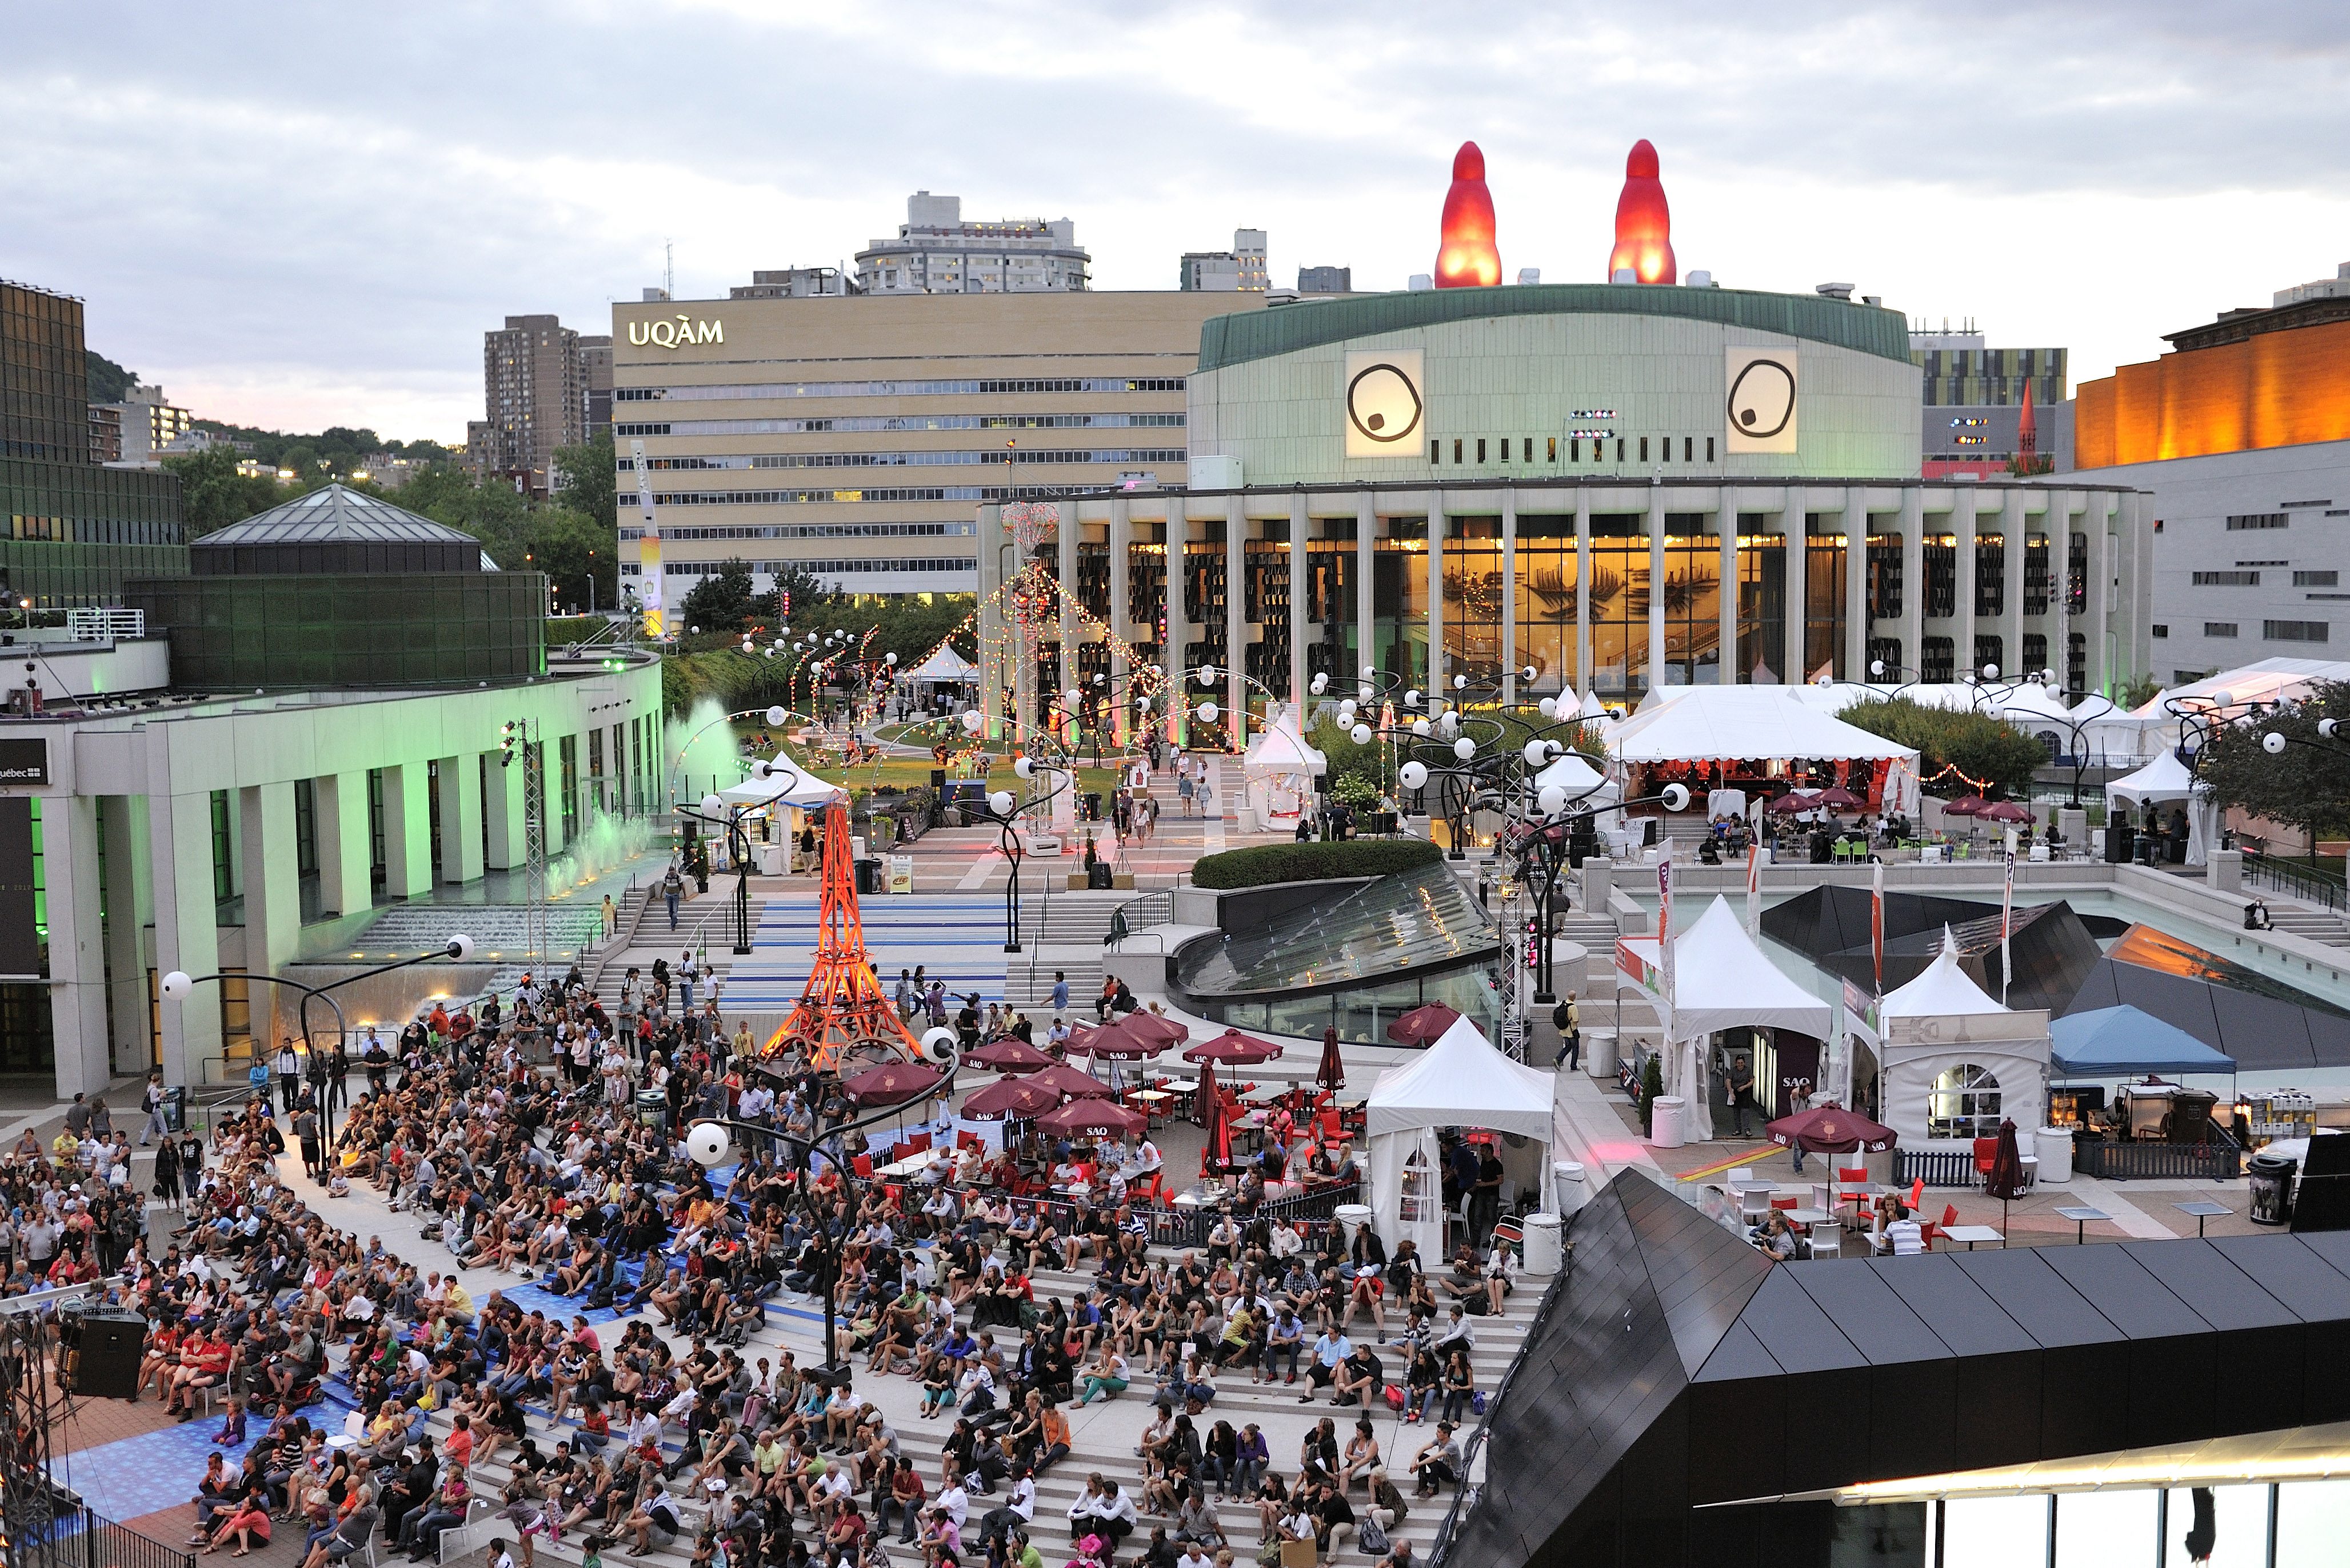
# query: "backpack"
{"type": "Point", "coordinates": [1371, 1538]}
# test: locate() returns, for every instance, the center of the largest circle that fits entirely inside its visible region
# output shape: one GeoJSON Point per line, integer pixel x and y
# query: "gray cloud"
{"type": "Point", "coordinates": [311, 212]}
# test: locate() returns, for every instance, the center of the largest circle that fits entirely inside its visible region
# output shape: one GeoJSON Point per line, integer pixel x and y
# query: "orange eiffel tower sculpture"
{"type": "Point", "coordinates": [842, 1008]}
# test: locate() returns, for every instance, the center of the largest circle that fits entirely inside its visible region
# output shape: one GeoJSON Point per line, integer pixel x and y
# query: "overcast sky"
{"type": "Point", "coordinates": [297, 215]}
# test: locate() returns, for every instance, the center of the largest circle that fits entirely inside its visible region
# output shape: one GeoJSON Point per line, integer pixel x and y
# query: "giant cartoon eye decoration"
{"type": "Point", "coordinates": [1382, 403]}
{"type": "Point", "coordinates": [1762, 398]}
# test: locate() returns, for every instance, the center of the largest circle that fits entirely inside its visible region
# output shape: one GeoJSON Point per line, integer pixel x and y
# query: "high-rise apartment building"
{"type": "Point", "coordinates": [73, 529]}
{"type": "Point", "coordinates": [595, 372]}
{"type": "Point", "coordinates": [1240, 270]}
{"type": "Point", "coordinates": [1326, 280]}
{"type": "Point", "coordinates": [935, 252]}
{"type": "Point", "coordinates": [151, 427]}
{"type": "Point", "coordinates": [534, 386]}
{"type": "Point", "coordinates": [853, 438]}
{"type": "Point", "coordinates": [794, 282]}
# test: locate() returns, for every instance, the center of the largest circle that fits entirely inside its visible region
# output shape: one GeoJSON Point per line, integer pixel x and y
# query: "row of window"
{"type": "Point", "coordinates": [924, 389]}
{"type": "Point", "coordinates": [900, 422]}
{"type": "Point", "coordinates": [820, 568]}
{"type": "Point", "coordinates": [815, 531]}
{"type": "Point", "coordinates": [896, 492]}
{"type": "Point", "coordinates": [2244, 521]}
{"type": "Point", "coordinates": [971, 457]}
{"type": "Point", "coordinates": [2227, 579]}
{"type": "Point", "coordinates": [2271, 630]}
{"type": "Point", "coordinates": [1599, 441]}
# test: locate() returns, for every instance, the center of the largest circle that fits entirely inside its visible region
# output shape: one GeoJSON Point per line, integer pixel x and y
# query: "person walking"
{"type": "Point", "coordinates": [1206, 792]}
{"type": "Point", "coordinates": [151, 1100]}
{"type": "Point", "coordinates": [611, 919]}
{"type": "Point", "coordinates": [1060, 990]}
{"type": "Point", "coordinates": [1183, 787]}
{"type": "Point", "coordinates": [673, 889]}
{"type": "Point", "coordinates": [1567, 1018]}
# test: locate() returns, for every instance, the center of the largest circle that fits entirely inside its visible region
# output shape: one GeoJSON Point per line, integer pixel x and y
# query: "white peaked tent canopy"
{"type": "Point", "coordinates": [790, 786]}
{"type": "Point", "coordinates": [1280, 767]}
{"type": "Point", "coordinates": [1703, 724]}
{"type": "Point", "coordinates": [2162, 782]}
{"type": "Point", "coordinates": [1721, 980]}
{"type": "Point", "coordinates": [1941, 990]}
{"type": "Point", "coordinates": [1460, 1081]}
{"type": "Point", "coordinates": [1574, 774]}
{"type": "Point", "coordinates": [944, 665]}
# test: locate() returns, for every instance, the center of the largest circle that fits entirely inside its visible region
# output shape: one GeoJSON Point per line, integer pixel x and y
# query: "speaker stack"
{"type": "Point", "coordinates": [106, 1364]}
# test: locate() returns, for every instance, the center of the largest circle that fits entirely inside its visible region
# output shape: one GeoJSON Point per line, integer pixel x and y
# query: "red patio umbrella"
{"type": "Point", "coordinates": [1010, 1099]}
{"type": "Point", "coordinates": [2006, 1179]}
{"type": "Point", "coordinates": [1062, 1080]}
{"type": "Point", "coordinates": [1124, 1040]}
{"type": "Point", "coordinates": [1423, 1025]}
{"type": "Point", "coordinates": [1009, 1055]}
{"type": "Point", "coordinates": [1831, 1129]}
{"type": "Point", "coordinates": [1205, 1096]}
{"type": "Point", "coordinates": [1838, 799]}
{"type": "Point", "coordinates": [1332, 1072]}
{"type": "Point", "coordinates": [1233, 1046]}
{"type": "Point", "coordinates": [2003, 811]}
{"type": "Point", "coordinates": [1151, 1025]}
{"type": "Point", "coordinates": [1794, 801]}
{"type": "Point", "coordinates": [891, 1084]}
{"type": "Point", "coordinates": [1092, 1119]}
{"type": "Point", "coordinates": [1965, 805]}
{"type": "Point", "coordinates": [1220, 1132]}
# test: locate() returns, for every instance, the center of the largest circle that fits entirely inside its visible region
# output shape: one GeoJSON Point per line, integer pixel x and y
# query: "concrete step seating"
{"type": "Point", "coordinates": [1237, 1400]}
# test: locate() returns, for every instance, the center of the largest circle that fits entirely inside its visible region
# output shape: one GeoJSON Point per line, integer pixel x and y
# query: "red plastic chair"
{"type": "Point", "coordinates": [1931, 1229]}
{"type": "Point", "coordinates": [1986, 1151]}
{"type": "Point", "coordinates": [863, 1166]}
{"type": "Point", "coordinates": [1789, 1203]}
{"type": "Point", "coordinates": [918, 1143]}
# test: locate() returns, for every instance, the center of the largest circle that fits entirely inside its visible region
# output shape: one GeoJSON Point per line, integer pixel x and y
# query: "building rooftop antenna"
{"type": "Point", "coordinates": [669, 268]}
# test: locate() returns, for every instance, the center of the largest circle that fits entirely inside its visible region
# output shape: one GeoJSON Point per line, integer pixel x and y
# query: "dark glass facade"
{"type": "Point", "coordinates": [44, 379]}
{"type": "Point", "coordinates": [397, 629]}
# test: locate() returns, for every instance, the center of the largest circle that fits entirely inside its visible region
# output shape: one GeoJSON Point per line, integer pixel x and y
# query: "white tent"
{"type": "Point", "coordinates": [1709, 724]}
{"type": "Point", "coordinates": [1941, 989]}
{"type": "Point", "coordinates": [1279, 768]}
{"type": "Point", "coordinates": [2166, 780]}
{"type": "Point", "coordinates": [1943, 1035]}
{"type": "Point", "coordinates": [1721, 980]}
{"type": "Point", "coordinates": [945, 665]}
{"type": "Point", "coordinates": [1459, 1082]}
{"type": "Point", "coordinates": [790, 786]}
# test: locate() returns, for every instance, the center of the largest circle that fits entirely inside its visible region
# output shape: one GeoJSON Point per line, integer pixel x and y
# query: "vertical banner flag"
{"type": "Point", "coordinates": [1877, 922]}
{"type": "Point", "coordinates": [648, 552]}
{"type": "Point", "coordinates": [1665, 919]}
{"type": "Point", "coordinates": [2006, 926]}
{"type": "Point", "coordinates": [1754, 889]}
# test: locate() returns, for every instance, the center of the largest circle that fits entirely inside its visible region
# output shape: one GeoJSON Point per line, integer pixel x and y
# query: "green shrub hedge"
{"type": "Point", "coordinates": [1312, 862]}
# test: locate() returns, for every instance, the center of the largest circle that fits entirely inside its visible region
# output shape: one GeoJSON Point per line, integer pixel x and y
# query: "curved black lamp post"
{"type": "Point", "coordinates": [707, 1142]}
{"type": "Point", "coordinates": [1008, 810]}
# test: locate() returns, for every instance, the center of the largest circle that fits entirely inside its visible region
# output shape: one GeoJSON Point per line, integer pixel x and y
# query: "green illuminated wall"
{"type": "Point", "coordinates": [391, 629]}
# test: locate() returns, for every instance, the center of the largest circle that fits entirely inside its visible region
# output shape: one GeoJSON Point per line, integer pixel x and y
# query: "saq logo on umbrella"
{"type": "Point", "coordinates": [1386, 400]}
{"type": "Point", "coordinates": [1760, 396]}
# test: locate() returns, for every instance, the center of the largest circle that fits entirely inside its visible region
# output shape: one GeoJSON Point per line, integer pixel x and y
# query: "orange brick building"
{"type": "Point", "coordinates": [2250, 381]}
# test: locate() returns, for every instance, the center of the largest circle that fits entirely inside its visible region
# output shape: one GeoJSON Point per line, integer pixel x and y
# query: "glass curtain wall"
{"type": "Point", "coordinates": [1761, 600]}
{"type": "Point", "coordinates": [1266, 608]}
{"type": "Point", "coordinates": [1400, 601]}
{"type": "Point", "coordinates": [1473, 587]}
{"type": "Point", "coordinates": [1822, 601]}
{"type": "Point", "coordinates": [1546, 586]}
{"type": "Point", "coordinates": [1332, 640]}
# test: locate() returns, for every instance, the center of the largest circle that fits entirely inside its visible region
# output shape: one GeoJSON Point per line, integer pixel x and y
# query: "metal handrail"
{"type": "Point", "coordinates": [2300, 881]}
{"type": "Point", "coordinates": [1465, 1497]}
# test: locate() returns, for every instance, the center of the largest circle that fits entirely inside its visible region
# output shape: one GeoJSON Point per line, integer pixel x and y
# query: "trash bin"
{"type": "Point", "coordinates": [771, 860]}
{"type": "Point", "coordinates": [1544, 1245]}
{"type": "Point", "coordinates": [2270, 1175]}
{"type": "Point", "coordinates": [1599, 1054]}
{"type": "Point", "coordinates": [869, 875]}
{"type": "Point", "coordinates": [2054, 1147]}
{"type": "Point", "coordinates": [1569, 1192]}
{"type": "Point", "coordinates": [1093, 805]}
{"type": "Point", "coordinates": [1665, 1121]}
{"type": "Point", "coordinates": [1351, 1218]}
{"type": "Point", "coordinates": [653, 1107]}
{"type": "Point", "coordinates": [175, 1108]}
{"type": "Point", "coordinates": [1098, 874]}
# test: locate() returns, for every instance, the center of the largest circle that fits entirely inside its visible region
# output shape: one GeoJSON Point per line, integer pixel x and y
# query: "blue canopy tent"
{"type": "Point", "coordinates": [2121, 1040]}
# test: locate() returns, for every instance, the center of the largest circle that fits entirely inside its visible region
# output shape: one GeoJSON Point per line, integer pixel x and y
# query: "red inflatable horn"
{"type": "Point", "coordinates": [1466, 257]}
{"type": "Point", "coordinates": [1644, 224]}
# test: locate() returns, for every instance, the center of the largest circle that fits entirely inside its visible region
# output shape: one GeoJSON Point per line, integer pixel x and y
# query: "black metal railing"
{"type": "Point", "coordinates": [1139, 914]}
{"type": "Point", "coordinates": [2217, 1160]}
{"type": "Point", "coordinates": [1464, 1497]}
{"type": "Point", "coordinates": [68, 1534]}
{"type": "Point", "coordinates": [2298, 881]}
{"type": "Point", "coordinates": [1939, 1167]}
{"type": "Point", "coordinates": [1313, 1213]}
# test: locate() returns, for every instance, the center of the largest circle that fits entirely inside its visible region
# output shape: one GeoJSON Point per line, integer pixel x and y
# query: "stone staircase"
{"type": "Point", "coordinates": [1063, 932]}
{"type": "Point", "coordinates": [2310, 922]}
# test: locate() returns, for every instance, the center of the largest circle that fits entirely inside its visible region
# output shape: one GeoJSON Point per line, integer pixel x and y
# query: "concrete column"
{"type": "Point", "coordinates": [1725, 527]}
{"type": "Point", "coordinates": [77, 945]}
{"type": "Point", "coordinates": [273, 885]}
{"type": "Point", "coordinates": [1582, 591]}
{"type": "Point", "coordinates": [461, 818]}
{"type": "Point", "coordinates": [502, 807]}
{"type": "Point", "coordinates": [187, 939]}
{"type": "Point", "coordinates": [1436, 516]}
{"type": "Point", "coordinates": [1962, 528]}
{"type": "Point", "coordinates": [1656, 584]}
{"type": "Point", "coordinates": [1366, 527]}
{"type": "Point", "coordinates": [1856, 583]}
{"type": "Point", "coordinates": [1795, 532]}
{"type": "Point", "coordinates": [1236, 622]}
{"type": "Point", "coordinates": [1178, 628]}
{"type": "Point", "coordinates": [1913, 579]}
{"type": "Point", "coordinates": [1510, 595]}
{"type": "Point", "coordinates": [408, 829]}
{"type": "Point", "coordinates": [1122, 620]}
{"type": "Point", "coordinates": [2012, 527]}
{"type": "Point", "coordinates": [129, 895]}
{"type": "Point", "coordinates": [2098, 607]}
{"type": "Point", "coordinates": [346, 849]}
{"type": "Point", "coordinates": [1300, 525]}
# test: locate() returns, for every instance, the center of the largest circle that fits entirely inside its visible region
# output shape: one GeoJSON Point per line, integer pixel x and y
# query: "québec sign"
{"type": "Point", "coordinates": [682, 333]}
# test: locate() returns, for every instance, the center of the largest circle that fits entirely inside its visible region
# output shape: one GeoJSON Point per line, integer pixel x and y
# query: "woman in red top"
{"type": "Point", "coordinates": [249, 1525]}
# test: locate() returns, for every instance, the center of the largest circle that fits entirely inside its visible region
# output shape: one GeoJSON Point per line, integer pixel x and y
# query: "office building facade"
{"type": "Point", "coordinates": [853, 437]}
{"type": "Point", "coordinates": [1326, 280]}
{"type": "Point", "coordinates": [535, 391]}
{"type": "Point", "coordinates": [2242, 434]}
{"type": "Point", "coordinates": [1619, 486]}
{"type": "Point", "coordinates": [1241, 270]}
{"type": "Point", "coordinates": [75, 529]}
{"type": "Point", "coordinates": [935, 252]}
{"type": "Point", "coordinates": [596, 381]}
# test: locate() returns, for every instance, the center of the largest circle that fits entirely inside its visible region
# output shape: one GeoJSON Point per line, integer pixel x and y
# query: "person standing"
{"type": "Point", "coordinates": [905, 993]}
{"type": "Point", "coordinates": [1567, 1018]}
{"type": "Point", "coordinates": [1741, 1091]}
{"type": "Point", "coordinates": [289, 1073]}
{"type": "Point", "coordinates": [306, 1131]}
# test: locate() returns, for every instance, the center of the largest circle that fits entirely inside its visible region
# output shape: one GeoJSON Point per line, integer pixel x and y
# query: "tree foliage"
{"type": "Point", "coordinates": [213, 494]}
{"type": "Point", "coordinates": [2137, 691]}
{"type": "Point", "coordinates": [1981, 747]}
{"type": "Point", "coordinates": [591, 483]}
{"type": "Point", "coordinates": [722, 602]}
{"type": "Point", "coordinates": [2306, 785]}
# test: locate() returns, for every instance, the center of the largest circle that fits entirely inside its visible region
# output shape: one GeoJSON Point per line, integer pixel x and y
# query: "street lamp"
{"type": "Point", "coordinates": [1008, 810]}
{"type": "Point", "coordinates": [177, 986]}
